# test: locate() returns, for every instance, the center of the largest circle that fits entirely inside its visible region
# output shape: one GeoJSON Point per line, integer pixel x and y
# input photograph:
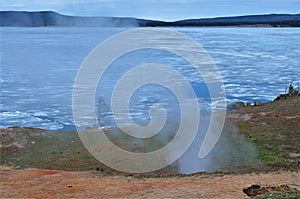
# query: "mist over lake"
{"type": "Point", "coordinates": [39, 66]}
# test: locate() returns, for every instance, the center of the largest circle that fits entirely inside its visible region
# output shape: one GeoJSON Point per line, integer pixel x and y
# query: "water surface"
{"type": "Point", "coordinates": [39, 66]}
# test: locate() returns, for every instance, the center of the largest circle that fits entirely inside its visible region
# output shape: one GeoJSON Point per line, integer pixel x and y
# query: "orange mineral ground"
{"type": "Point", "coordinates": [37, 183]}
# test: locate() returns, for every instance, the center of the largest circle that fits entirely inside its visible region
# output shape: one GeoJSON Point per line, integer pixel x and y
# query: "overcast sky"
{"type": "Point", "coordinates": [156, 9]}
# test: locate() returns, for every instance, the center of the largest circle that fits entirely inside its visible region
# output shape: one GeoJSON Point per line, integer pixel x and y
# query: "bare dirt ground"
{"type": "Point", "coordinates": [38, 183]}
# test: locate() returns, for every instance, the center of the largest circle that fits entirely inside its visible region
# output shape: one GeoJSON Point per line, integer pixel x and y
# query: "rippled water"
{"type": "Point", "coordinates": [39, 65]}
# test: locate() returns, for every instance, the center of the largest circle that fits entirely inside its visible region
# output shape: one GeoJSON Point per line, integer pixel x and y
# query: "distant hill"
{"type": "Point", "coordinates": [49, 18]}
{"type": "Point", "coordinates": [271, 19]}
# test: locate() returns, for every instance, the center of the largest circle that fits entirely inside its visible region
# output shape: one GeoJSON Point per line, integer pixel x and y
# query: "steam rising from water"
{"type": "Point", "coordinates": [49, 18]}
{"type": "Point", "coordinates": [231, 152]}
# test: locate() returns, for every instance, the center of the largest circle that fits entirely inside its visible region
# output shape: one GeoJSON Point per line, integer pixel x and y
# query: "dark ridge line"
{"type": "Point", "coordinates": [50, 18]}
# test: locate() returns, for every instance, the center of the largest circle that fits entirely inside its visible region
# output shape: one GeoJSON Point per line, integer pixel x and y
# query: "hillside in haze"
{"type": "Point", "coordinates": [49, 18]}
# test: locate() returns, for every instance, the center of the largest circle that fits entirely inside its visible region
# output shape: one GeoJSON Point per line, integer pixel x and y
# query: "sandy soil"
{"type": "Point", "coordinates": [36, 183]}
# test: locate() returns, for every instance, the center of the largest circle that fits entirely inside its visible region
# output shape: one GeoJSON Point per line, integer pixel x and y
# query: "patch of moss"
{"type": "Point", "coordinates": [274, 130]}
{"type": "Point", "coordinates": [60, 150]}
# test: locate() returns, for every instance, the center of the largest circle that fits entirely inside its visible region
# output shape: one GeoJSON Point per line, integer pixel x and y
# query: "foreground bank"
{"type": "Point", "coordinates": [272, 128]}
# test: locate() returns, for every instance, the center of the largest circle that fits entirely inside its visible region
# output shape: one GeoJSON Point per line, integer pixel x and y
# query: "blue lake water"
{"type": "Point", "coordinates": [39, 66]}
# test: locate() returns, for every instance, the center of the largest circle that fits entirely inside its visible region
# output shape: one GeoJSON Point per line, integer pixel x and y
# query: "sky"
{"type": "Point", "coordinates": [168, 10]}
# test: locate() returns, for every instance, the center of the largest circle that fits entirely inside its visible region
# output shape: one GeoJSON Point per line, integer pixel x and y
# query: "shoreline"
{"type": "Point", "coordinates": [253, 123]}
{"type": "Point", "coordinates": [231, 106]}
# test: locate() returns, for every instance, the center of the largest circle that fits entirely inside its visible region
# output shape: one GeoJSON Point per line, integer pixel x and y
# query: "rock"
{"type": "Point", "coordinates": [291, 93]}
{"type": "Point", "coordinates": [294, 155]}
{"type": "Point", "coordinates": [256, 190]}
{"type": "Point", "coordinates": [257, 103]}
{"type": "Point", "coordinates": [281, 97]}
{"type": "Point", "coordinates": [235, 105]}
